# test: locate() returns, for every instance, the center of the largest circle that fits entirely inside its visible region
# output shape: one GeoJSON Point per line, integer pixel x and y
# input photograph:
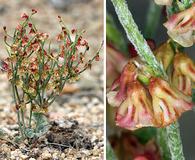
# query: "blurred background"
{"type": "Point", "coordinates": [81, 101]}
{"type": "Point", "coordinates": [139, 10]}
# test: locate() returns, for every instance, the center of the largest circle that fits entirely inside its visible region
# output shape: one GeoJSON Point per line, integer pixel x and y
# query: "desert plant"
{"type": "Point", "coordinates": [38, 73]}
{"type": "Point", "coordinates": [155, 88]}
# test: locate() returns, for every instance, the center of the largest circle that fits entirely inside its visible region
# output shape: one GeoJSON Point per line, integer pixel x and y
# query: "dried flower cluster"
{"type": "Point", "coordinates": [144, 100]}
{"type": "Point", "coordinates": [37, 72]}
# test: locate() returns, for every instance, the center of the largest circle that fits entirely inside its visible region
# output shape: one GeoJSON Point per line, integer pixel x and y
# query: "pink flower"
{"type": "Point", "coordinates": [136, 110]}
{"type": "Point", "coordinates": [43, 36]}
{"type": "Point", "coordinates": [129, 74]}
{"type": "Point", "coordinates": [59, 37]}
{"type": "Point", "coordinates": [181, 27]}
{"type": "Point", "coordinates": [34, 11]}
{"type": "Point", "coordinates": [168, 103]}
{"type": "Point", "coordinates": [3, 66]}
{"type": "Point", "coordinates": [97, 58]}
{"type": "Point", "coordinates": [184, 73]}
{"type": "Point", "coordinates": [24, 16]}
{"type": "Point", "coordinates": [182, 83]}
{"type": "Point", "coordinates": [19, 27]}
{"type": "Point", "coordinates": [30, 25]}
{"type": "Point", "coordinates": [32, 31]}
{"type": "Point", "coordinates": [25, 40]}
{"type": "Point", "coordinates": [184, 65]}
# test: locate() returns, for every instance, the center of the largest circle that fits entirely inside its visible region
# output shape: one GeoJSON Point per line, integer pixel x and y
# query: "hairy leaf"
{"type": "Point", "coordinates": [42, 125]}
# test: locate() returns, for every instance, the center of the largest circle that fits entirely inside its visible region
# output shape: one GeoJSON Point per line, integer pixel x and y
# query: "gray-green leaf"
{"type": "Point", "coordinates": [29, 132]}
{"type": "Point", "coordinates": [42, 125]}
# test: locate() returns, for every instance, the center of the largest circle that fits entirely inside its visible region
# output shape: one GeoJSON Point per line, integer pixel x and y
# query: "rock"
{"type": "Point", "coordinates": [55, 156]}
{"type": "Point", "coordinates": [24, 157]}
{"type": "Point", "coordinates": [62, 155]}
{"type": "Point", "coordinates": [46, 155]}
{"type": "Point", "coordinates": [5, 148]}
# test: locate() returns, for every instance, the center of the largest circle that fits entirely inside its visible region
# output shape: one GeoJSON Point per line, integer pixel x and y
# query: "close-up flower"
{"type": "Point", "coordinates": [128, 75]}
{"type": "Point", "coordinates": [153, 99]}
{"type": "Point", "coordinates": [183, 73]}
{"type": "Point", "coordinates": [168, 103]}
{"type": "Point", "coordinates": [136, 110]}
{"type": "Point", "coordinates": [181, 27]}
{"type": "Point", "coordinates": [184, 65]}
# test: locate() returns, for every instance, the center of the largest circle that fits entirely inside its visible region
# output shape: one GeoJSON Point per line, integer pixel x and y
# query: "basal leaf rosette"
{"type": "Point", "coordinates": [181, 27]}
{"type": "Point", "coordinates": [184, 73]}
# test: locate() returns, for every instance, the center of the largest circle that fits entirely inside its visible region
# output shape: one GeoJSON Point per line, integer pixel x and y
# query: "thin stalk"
{"type": "Point", "coordinates": [22, 112]}
{"type": "Point", "coordinates": [18, 114]}
{"type": "Point", "coordinates": [171, 132]}
{"type": "Point", "coordinates": [30, 118]}
{"type": "Point", "coordinates": [23, 121]}
{"type": "Point", "coordinates": [19, 123]}
{"type": "Point", "coordinates": [162, 141]}
{"type": "Point", "coordinates": [174, 142]}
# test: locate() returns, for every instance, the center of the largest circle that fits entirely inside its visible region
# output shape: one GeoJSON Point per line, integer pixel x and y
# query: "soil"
{"type": "Point", "coordinates": [71, 136]}
{"type": "Point", "coordinates": [62, 136]}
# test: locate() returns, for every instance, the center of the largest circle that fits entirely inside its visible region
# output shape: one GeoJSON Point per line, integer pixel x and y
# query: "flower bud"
{"type": "Point", "coordinates": [3, 66]}
{"type": "Point", "coordinates": [181, 27]}
{"type": "Point", "coordinates": [168, 103]}
{"type": "Point", "coordinates": [164, 54]}
{"type": "Point", "coordinates": [24, 16]}
{"type": "Point", "coordinates": [128, 75]}
{"type": "Point", "coordinates": [183, 65]}
{"type": "Point", "coordinates": [136, 110]}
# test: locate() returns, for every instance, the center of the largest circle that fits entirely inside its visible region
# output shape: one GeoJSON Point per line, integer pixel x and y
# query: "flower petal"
{"type": "Point", "coordinates": [128, 75]}
{"type": "Point", "coordinates": [136, 110]}
{"type": "Point", "coordinates": [181, 27]}
{"type": "Point", "coordinates": [168, 103]}
{"type": "Point", "coordinates": [184, 65]}
{"type": "Point", "coordinates": [182, 83]}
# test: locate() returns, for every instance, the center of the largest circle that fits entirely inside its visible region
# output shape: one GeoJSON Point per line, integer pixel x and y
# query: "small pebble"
{"type": "Point", "coordinates": [46, 155]}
